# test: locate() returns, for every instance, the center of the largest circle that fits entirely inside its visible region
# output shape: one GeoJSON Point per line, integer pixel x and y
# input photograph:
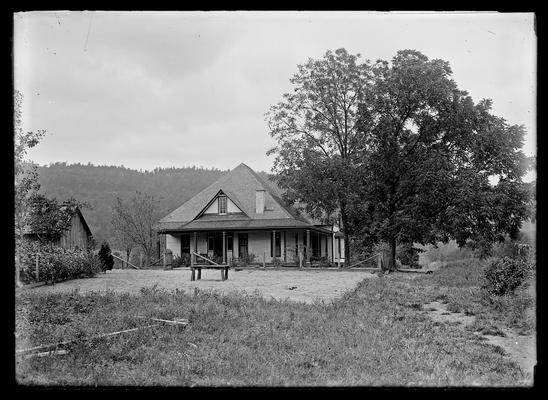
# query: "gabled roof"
{"type": "Point", "coordinates": [232, 198]}
{"type": "Point", "coordinates": [240, 186]}
{"type": "Point", "coordinates": [27, 230]}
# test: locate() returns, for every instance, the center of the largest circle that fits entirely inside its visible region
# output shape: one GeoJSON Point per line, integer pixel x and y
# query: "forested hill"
{"type": "Point", "coordinates": [100, 185]}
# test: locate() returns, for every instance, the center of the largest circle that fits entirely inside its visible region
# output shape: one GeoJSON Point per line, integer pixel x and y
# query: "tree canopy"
{"type": "Point", "coordinates": [318, 142]}
{"type": "Point", "coordinates": [415, 161]}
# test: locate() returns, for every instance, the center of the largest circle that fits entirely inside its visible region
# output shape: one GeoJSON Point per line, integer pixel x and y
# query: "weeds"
{"type": "Point", "coordinates": [376, 335]}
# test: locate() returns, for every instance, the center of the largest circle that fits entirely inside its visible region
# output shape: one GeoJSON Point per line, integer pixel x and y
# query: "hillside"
{"type": "Point", "coordinates": [100, 185]}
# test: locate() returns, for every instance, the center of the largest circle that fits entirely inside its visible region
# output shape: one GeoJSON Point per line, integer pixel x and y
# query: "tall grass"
{"type": "Point", "coordinates": [373, 336]}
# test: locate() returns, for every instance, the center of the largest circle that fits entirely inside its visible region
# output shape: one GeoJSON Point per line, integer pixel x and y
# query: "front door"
{"type": "Point", "coordinates": [218, 246]}
{"type": "Point", "coordinates": [185, 244]}
{"type": "Point", "coordinates": [242, 244]}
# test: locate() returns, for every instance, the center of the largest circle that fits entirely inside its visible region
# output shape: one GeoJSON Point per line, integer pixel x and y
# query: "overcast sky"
{"type": "Point", "coordinates": [161, 89]}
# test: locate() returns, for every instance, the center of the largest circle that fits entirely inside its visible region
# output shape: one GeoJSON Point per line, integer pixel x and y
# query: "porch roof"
{"type": "Point", "coordinates": [243, 224]}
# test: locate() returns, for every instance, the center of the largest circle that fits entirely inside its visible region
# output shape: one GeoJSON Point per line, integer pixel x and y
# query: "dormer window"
{"type": "Point", "coordinates": [222, 205]}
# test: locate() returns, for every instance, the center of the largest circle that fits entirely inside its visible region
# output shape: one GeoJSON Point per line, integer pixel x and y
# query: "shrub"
{"type": "Point", "coordinates": [56, 264]}
{"type": "Point", "coordinates": [276, 262]}
{"type": "Point", "coordinates": [321, 262]}
{"type": "Point", "coordinates": [505, 275]}
{"type": "Point", "coordinates": [244, 260]}
{"type": "Point", "coordinates": [409, 255]}
{"type": "Point", "coordinates": [105, 255]}
{"type": "Point", "coordinates": [182, 261]}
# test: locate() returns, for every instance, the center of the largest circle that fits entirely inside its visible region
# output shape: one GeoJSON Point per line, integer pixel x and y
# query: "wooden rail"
{"type": "Point", "coordinates": [360, 262]}
{"type": "Point", "coordinates": [205, 258]}
{"type": "Point", "coordinates": [121, 259]}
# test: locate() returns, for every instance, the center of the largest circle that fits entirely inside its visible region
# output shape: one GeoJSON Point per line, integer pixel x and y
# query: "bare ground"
{"type": "Point", "coordinates": [296, 285]}
{"type": "Point", "coordinates": [519, 348]}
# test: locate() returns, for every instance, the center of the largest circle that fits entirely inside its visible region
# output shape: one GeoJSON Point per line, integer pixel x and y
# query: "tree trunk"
{"type": "Point", "coordinates": [128, 253]}
{"type": "Point", "coordinates": [346, 235]}
{"type": "Point", "coordinates": [18, 260]}
{"type": "Point", "coordinates": [346, 250]}
{"type": "Point", "coordinates": [391, 259]}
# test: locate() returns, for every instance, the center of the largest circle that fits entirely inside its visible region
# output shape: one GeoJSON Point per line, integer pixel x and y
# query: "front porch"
{"type": "Point", "coordinates": [256, 247]}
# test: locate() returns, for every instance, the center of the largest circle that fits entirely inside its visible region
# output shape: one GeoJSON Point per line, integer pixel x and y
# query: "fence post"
{"type": "Point", "coordinates": [264, 259]}
{"type": "Point", "coordinates": [379, 261]}
{"type": "Point", "coordinates": [37, 269]}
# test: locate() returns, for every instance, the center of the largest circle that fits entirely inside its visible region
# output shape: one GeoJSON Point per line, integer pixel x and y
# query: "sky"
{"type": "Point", "coordinates": [174, 89]}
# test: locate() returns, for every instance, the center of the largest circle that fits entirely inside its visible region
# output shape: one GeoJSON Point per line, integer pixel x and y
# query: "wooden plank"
{"type": "Point", "coordinates": [55, 345]}
{"type": "Point", "coordinates": [176, 321]}
{"type": "Point", "coordinates": [361, 262]}
{"type": "Point", "coordinates": [127, 262]}
{"type": "Point", "coordinates": [205, 258]}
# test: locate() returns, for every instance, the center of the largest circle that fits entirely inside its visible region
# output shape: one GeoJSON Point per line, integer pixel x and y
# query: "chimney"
{"type": "Point", "coordinates": [259, 201]}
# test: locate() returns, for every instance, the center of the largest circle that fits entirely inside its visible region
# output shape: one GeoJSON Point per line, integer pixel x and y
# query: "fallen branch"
{"type": "Point", "coordinates": [177, 321]}
{"type": "Point", "coordinates": [417, 271]}
{"type": "Point", "coordinates": [56, 345]}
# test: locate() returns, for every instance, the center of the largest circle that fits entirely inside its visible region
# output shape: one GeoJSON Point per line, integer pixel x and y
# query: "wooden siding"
{"type": "Point", "coordinates": [75, 236]}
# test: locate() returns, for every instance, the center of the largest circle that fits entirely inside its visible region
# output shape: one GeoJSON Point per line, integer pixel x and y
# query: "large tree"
{"type": "Point", "coordinates": [318, 142]}
{"type": "Point", "coordinates": [134, 220]}
{"type": "Point", "coordinates": [25, 175]}
{"type": "Point", "coordinates": [434, 164]}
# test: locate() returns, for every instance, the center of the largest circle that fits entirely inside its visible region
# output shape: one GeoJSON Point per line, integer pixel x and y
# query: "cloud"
{"type": "Point", "coordinates": [166, 88]}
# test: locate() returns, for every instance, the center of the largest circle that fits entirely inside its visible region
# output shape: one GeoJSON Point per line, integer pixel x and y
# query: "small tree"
{"type": "Point", "coordinates": [105, 255]}
{"type": "Point", "coordinates": [135, 221]}
{"type": "Point", "coordinates": [121, 240]}
{"type": "Point", "coordinates": [25, 175]}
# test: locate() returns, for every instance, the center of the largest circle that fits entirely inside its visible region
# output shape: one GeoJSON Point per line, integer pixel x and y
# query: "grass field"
{"type": "Point", "coordinates": [377, 334]}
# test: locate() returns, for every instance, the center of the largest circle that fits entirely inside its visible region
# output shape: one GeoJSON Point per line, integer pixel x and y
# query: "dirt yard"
{"type": "Point", "coordinates": [302, 286]}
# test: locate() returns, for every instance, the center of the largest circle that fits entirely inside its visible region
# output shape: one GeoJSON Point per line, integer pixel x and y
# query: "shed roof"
{"type": "Point", "coordinates": [27, 230]}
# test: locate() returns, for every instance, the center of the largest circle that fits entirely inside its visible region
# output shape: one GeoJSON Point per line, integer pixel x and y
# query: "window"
{"type": "Point", "coordinates": [222, 205]}
{"type": "Point", "coordinates": [242, 244]}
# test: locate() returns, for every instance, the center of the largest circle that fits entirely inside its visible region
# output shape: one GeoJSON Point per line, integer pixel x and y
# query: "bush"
{"type": "Point", "coordinates": [182, 261]}
{"type": "Point", "coordinates": [243, 261]}
{"type": "Point", "coordinates": [409, 255]}
{"type": "Point", "coordinates": [276, 262]}
{"type": "Point", "coordinates": [322, 262]}
{"type": "Point", "coordinates": [505, 275]}
{"type": "Point", "coordinates": [105, 255]}
{"type": "Point", "coordinates": [56, 264]}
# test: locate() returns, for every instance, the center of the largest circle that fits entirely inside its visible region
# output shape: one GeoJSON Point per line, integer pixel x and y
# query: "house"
{"type": "Point", "coordinates": [78, 235]}
{"type": "Point", "coordinates": [242, 214]}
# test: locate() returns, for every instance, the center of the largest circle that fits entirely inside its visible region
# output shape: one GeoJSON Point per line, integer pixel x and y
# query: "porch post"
{"type": "Point", "coordinates": [333, 248]}
{"type": "Point", "coordinates": [193, 258]}
{"type": "Point", "coordinates": [273, 244]}
{"type": "Point", "coordinates": [282, 245]}
{"type": "Point", "coordinates": [308, 246]}
{"type": "Point", "coordinates": [224, 247]}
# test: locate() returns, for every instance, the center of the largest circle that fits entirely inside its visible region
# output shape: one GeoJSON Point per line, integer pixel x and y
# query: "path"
{"type": "Point", "coordinates": [519, 348]}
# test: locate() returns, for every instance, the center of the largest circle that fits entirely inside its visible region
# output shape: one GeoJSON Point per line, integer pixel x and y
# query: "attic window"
{"type": "Point", "coordinates": [222, 205]}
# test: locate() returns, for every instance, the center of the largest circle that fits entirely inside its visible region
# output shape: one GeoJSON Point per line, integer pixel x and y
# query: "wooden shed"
{"type": "Point", "coordinates": [78, 235]}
